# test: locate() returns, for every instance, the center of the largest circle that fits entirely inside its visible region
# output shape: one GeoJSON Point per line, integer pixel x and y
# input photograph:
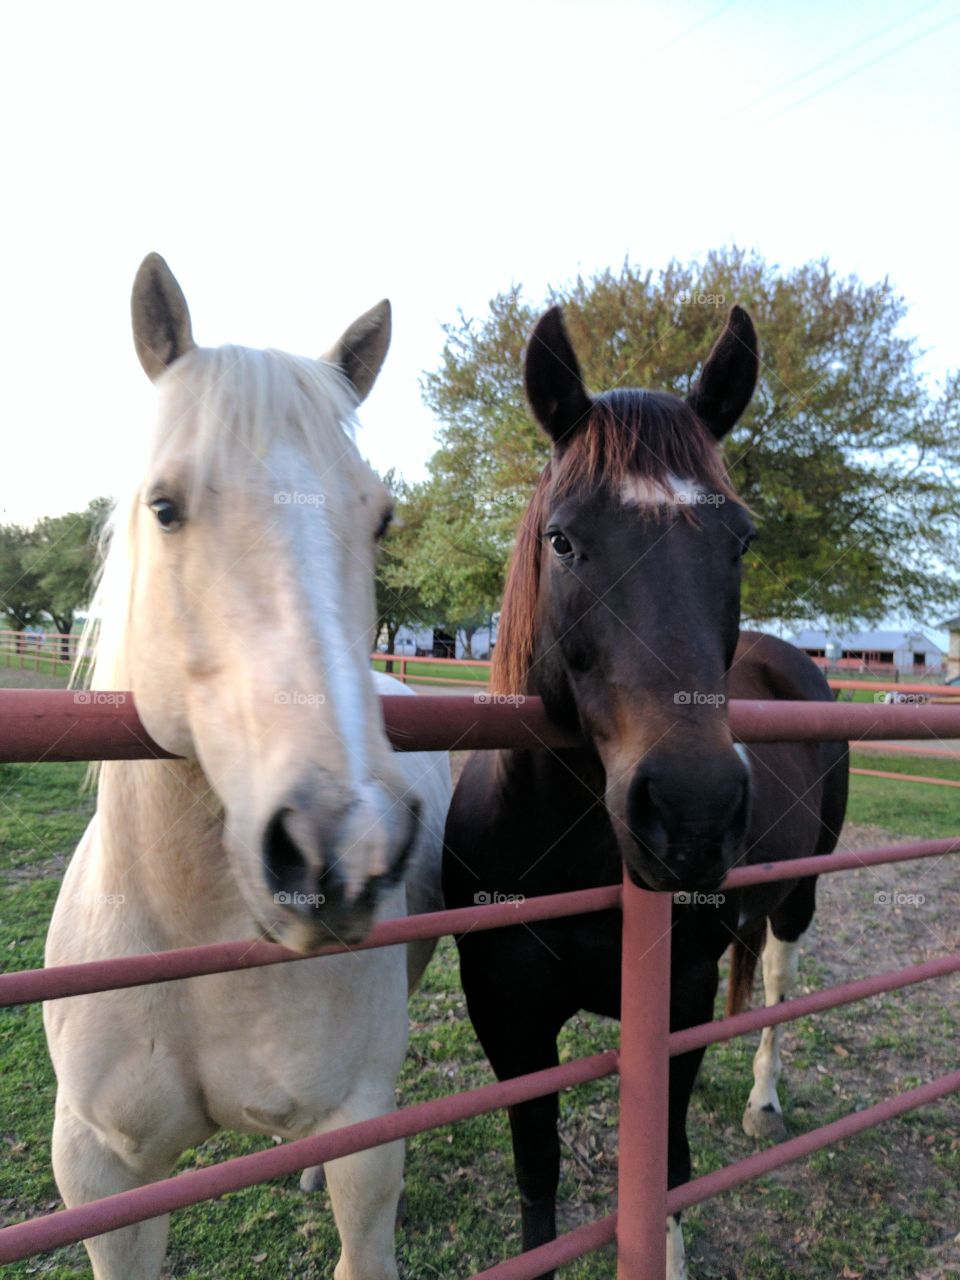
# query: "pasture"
{"type": "Point", "coordinates": [884, 1203]}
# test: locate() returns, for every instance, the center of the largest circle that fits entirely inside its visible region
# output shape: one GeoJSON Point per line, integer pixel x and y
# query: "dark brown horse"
{"type": "Point", "coordinates": [622, 612]}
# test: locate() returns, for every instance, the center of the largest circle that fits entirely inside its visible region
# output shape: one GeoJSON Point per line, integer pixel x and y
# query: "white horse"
{"type": "Point", "coordinates": [237, 604]}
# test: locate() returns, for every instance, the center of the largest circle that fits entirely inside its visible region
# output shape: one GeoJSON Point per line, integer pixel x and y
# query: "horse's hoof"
{"type": "Point", "coordinates": [313, 1179]}
{"type": "Point", "coordinates": [765, 1123]}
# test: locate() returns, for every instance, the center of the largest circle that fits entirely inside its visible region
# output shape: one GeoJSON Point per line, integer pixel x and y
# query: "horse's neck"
{"type": "Point", "coordinates": [554, 800]}
{"type": "Point", "coordinates": [159, 843]}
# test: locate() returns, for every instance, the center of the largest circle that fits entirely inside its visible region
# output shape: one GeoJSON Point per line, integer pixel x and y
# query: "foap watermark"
{"type": "Point", "coordinates": [99, 899]}
{"type": "Point", "coordinates": [697, 698]}
{"type": "Point", "coordinates": [297, 498]}
{"type": "Point", "coordinates": [501, 499]}
{"type": "Point", "coordinates": [897, 898]}
{"type": "Point", "coordinates": [896, 698]}
{"type": "Point", "coordinates": [693, 898]}
{"type": "Point", "coordinates": [297, 899]}
{"type": "Point", "coordinates": [297, 698]}
{"type": "Point", "coordinates": [490, 898]}
{"type": "Point", "coordinates": [697, 298]}
{"type": "Point", "coordinates": [98, 698]}
{"type": "Point", "coordinates": [693, 498]}
{"type": "Point", "coordinates": [501, 699]}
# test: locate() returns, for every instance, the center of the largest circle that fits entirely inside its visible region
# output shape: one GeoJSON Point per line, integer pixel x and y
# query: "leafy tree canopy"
{"type": "Point", "coordinates": [847, 459]}
{"type": "Point", "coordinates": [47, 571]}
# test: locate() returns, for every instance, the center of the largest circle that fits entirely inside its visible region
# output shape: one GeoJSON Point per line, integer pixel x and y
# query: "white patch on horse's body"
{"type": "Point", "coordinates": [763, 1117]}
{"type": "Point", "coordinates": [676, 1254]}
{"type": "Point", "coordinates": [640, 491]}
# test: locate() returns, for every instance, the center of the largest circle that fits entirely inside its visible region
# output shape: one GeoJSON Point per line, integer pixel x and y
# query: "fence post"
{"type": "Point", "coordinates": [644, 1080]}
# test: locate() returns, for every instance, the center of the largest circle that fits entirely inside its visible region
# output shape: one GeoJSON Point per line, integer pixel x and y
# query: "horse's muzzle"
{"type": "Point", "coordinates": [326, 872]}
{"type": "Point", "coordinates": [687, 822]}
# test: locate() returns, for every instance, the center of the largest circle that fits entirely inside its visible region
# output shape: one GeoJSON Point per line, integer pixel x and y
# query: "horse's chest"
{"type": "Point", "coordinates": [281, 1056]}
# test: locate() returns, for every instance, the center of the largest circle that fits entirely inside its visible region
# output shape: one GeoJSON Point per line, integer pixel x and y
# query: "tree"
{"type": "Point", "coordinates": [847, 459]}
{"type": "Point", "coordinates": [21, 600]}
{"type": "Point", "coordinates": [440, 562]}
{"type": "Point", "coordinates": [62, 554]}
{"type": "Point", "coordinates": [399, 603]}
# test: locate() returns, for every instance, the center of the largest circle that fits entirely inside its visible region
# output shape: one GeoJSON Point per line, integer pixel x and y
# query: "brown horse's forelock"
{"type": "Point", "coordinates": [643, 435]}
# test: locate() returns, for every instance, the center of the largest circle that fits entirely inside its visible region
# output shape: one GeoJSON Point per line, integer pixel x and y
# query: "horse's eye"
{"type": "Point", "coordinates": [560, 543]}
{"type": "Point", "coordinates": [168, 517]}
{"type": "Point", "coordinates": [385, 522]}
{"type": "Point", "coordinates": [744, 545]}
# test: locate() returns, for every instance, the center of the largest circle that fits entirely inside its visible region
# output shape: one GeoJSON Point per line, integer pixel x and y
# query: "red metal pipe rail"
{"type": "Point", "coordinates": [532, 1264]}
{"type": "Point", "coordinates": [818, 1002]}
{"type": "Point", "coordinates": [646, 951]}
{"type": "Point", "coordinates": [594, 1235]}
{"type": "Point", "coordinates": [644, 1082]}
{"type": "Point", "coordinates": [27, 985]}
{"type": "Point", "coordinates": [908, 777]}
{"type": "Point", "coordinates": [60, 724]}
{"type": "Point", "coordinates": [754, 1166]}
{"type": "Point", "coordinates": [67, 1226]}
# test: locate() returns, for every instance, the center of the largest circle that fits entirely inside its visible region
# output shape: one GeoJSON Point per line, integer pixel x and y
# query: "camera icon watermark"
{"type": "Point", "coordinates": [296, 899]}
{"type": "Point", "coordinates": [692, 498]}
{"type": "Point", "coordinates": [696, 298]}
{"type": "Point", "coordinates": [297, 698]}
{"type": "Point", "coordinates": [500, 699]}
{"type": "Point", "coordinates": [98, 698]}
{"type": "Point", "coordinates": [896, 898]}
{"type": "Point", "coordinates": [297, 498]}
{"type": "Point", "coordinates": [697, 698]}
{"type": "Point", "coordinates": [693, 898]}
{"type": "Point", "coordinates": [488, 898]}
{"type": "Point", "coordinates": [100, 899]}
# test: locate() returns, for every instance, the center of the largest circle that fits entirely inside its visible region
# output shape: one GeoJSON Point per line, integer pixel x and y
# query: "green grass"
{"type": "Point", "coordinates": [462, 1206]}
{"type": "Point", "coordinates": [906, 808]}
{"type": "Point", "coordinates": [46, 666]}
{"type": "Point", "coordinates": [431, 672]}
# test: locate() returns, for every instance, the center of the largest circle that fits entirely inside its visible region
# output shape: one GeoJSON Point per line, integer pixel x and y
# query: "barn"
{"type": "Point", "coordinates": [906, 652]}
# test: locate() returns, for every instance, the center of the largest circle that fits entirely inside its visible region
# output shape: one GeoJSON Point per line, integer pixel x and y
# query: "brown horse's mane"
{"type": "Point", "coordinates": [628, 434]}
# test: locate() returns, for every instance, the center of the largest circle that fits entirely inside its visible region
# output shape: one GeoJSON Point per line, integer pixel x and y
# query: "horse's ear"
{"type": "Point", "coordinates": [553, 380]}
{"type": "Point", "coordinates": [161, 320]}
{"type": "Point", "coordinates": [361, 350]}
{"type": "Point", "coordinates": [728, 378]}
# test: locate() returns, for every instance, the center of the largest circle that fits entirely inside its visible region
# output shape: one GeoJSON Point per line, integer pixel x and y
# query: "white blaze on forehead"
{"type": "Point", "coordinates": [639, 491]}
{"type": "Point", "coordinates": [335, 612]}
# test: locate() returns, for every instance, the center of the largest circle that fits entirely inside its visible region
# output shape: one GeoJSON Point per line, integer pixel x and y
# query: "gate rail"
{"type": "Point", "coordinates": [48, 725]}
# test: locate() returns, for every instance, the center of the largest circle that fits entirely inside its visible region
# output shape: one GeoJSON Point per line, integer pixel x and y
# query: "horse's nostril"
{"type": "Point", "coordinates": [296, 870]}
{"type": "Point", "coordinates": [281, 854]}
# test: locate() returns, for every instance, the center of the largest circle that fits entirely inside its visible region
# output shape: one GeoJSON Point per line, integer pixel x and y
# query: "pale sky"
{"type": "Point", "coordinates": [296, 162]}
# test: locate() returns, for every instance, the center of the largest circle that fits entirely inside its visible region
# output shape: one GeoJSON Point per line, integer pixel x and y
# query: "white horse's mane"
{"type": "Point", "coordinates": [220, 408]}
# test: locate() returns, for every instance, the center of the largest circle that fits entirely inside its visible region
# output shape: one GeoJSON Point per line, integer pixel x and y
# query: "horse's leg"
{"type": "Point", "coordinates": [86, 1169]}
{"type": "Point", "coordinates": [536, 1142]}
{"type": "Point", "coordinates": [692, 993]}
{"type": "Point", "coordinates": [763, 1117]}
{"type": "Point", "coordinates": [518, 1036]}
{"type": "Point", "coordinates": [365, 1191]}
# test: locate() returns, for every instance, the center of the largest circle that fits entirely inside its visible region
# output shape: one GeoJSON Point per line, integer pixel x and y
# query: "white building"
{"type": "Point", "coordinates": [438, 642]}
{"type": "Point", "coordinates": [907, 652]}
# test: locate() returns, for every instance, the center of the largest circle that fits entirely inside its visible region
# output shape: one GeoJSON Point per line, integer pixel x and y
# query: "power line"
{"type": "Point", "coordinates": [851, 48]}
{"type": "Point", "coordinates": [701, 22]}
{"type": "Point", "coordinates": [871, 62]}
